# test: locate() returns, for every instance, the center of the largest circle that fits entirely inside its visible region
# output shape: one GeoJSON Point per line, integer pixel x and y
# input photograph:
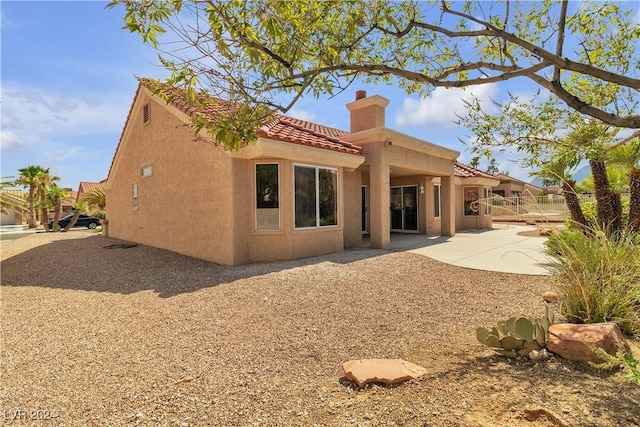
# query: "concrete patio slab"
{"type": "Point", "coordinates": [499, 249]}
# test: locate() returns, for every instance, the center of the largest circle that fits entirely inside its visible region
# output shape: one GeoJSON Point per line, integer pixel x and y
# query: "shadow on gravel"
{"type": "Point", "coordinates": [610, 401]}
{"type": "Point", "coordinates": [85, 264]}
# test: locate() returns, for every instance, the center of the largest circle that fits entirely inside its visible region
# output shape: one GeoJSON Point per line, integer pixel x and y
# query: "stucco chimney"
{"type": "Point", "coordinates": [367, 112]}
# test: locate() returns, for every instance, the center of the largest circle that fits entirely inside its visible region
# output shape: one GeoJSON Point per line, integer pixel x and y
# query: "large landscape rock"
{"type": "Point", "coordinates": [387, 371]}
{"type": "Point", "coordinates": [568, 340]}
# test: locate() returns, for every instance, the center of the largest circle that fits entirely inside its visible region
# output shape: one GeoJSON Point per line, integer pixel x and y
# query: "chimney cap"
{"type": "Point", "coordinates": [361, 94]}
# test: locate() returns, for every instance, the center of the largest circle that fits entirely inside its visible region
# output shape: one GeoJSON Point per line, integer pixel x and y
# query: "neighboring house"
{"type": "Point", "coordinates": [512, 187]}
{"type": "Point", "coordinates": [67, 205]}
{"type": "Point", "coordinates": [85, 187]}
{"type": "Point", "coordinates": [302, 189]}
{"type": "Point", "coordinates": [12, 217]}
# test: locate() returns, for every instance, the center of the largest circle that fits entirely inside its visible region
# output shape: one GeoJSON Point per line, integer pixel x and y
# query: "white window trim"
{"type": "Point", "coordinates": [255, 204]}
{"type": "Point", "coordinates": [142, 169]}
{"type": "Point", "coordinates": [317, 226]}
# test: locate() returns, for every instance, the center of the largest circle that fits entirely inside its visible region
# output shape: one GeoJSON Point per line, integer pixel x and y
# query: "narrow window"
{"type": "Point", "coordinates": [316, 197]}
{"type": "Point", "coordinates": [146, 113]}
{"type": "Point", "coordinates": [305, 197]}
{"type": "Point", "coordinates": [487, 200]}
{"type": "Point", "coordinates": [471, 203]}
{"type": "Point", "coordinates": [436, 201]}
{"type": "Point", "coordinates": [135, 196]}
{"type": "Point", "coordinates": [327, 196]}
{"type": "Point", "coordinates": [267, 198]}
{"type": "Point", "coordinates": [146, 171]}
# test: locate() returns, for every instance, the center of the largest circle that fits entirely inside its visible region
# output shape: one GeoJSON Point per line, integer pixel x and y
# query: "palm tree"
{"type": "Point", "coordinates": [30, 177]}
{"type": "Point", "coordinates": [557, 171]}
{"type": "Point", "coordinates": [80, 207]}
{"type": "Point", "coordinates": [56, 195]}
{"type": "Point", "coordinates": [96, 197]}
{"type": "Point", "coordinates": [10, 202]}
{"type": "Point", "coordinates": [44, 184]}
{"type": "Point", "coordinates": [628, 157]}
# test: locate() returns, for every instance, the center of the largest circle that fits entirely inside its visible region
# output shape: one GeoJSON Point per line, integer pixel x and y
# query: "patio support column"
{"type": "Point", "coordinates": [379, 199]}
{"type": "Point", "coordinates": [448, 208]}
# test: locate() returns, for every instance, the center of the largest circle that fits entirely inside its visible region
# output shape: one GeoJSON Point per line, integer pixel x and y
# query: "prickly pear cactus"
{"type": "Point", "coordinates": [516, 336]}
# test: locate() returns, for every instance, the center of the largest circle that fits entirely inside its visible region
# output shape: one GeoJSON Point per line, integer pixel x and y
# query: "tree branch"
{"type": "Point", "coordinates": [560, 44]}
{"type": "Point", "coordinates": [584, 108]}
{"type": "Point", "coordinates": [562, 63]}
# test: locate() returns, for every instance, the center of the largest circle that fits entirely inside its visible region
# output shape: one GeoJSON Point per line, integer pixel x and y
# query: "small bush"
{"type": "Point", "coordinates": [599, 277]}
{"type": "Point", "coordinates": [590, 211]}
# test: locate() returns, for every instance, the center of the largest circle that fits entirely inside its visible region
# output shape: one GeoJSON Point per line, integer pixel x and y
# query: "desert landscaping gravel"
{"type": "Point", "coordinates": [142, 336]}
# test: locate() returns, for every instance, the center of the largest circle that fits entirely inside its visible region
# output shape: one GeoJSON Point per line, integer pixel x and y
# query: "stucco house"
{"type": "Point", "coordinates": [13, 217]}
{"type": "Point", "coordinates": [85, 187]}
{"type": "Point", "coordinates": [302, 189]}
{"type": "Point", "coordinates": [513, 187]}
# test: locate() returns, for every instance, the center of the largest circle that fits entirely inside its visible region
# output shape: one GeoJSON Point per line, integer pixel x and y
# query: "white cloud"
{"type": "Point", "coordinates": [36, 116]}
{"type": "Point", "coordinates": [440, 108]}
{"type": "Point", "coordinates": [9, 140]}
{"type": "Point", "coordinates": [301, 114]}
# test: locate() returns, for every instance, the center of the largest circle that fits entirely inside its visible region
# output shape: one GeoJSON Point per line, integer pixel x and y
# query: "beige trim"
{"type": "Point", "coordinates": [376, 100]}
{"type": "Point", "coordinates": [395, 138]}
{"type": "Point", "coordinates": [477, 181]}
{"type": "Point", "coordinates": [264, 148]}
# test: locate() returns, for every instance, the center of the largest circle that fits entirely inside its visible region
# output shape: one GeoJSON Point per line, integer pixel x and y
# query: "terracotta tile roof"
{"type": "Point", "coordinates": [280, 128]}
{"type": "Point", "coordinates": [207, 106]}
{"type": "Point", "coordinates": [85, 187]}
{"type": "Point", "coordinates": [288, 129]}
{"type": "Point", "coordinates": [14, 192]}
{"type": "Point", "coordinates": [466, 171]}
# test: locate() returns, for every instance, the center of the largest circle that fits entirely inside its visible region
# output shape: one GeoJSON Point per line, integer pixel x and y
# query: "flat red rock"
{"type": "Point", "coordinates": [387, 371]}
{"type": "Point", "coordinates": [574, 342]}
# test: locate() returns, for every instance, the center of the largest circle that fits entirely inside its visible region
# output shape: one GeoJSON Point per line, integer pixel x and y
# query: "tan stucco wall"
{"type": "Point", "coordinates": [471, 222]}
{"type": "Point", "coordinates": [185, 205]}
{"type": "Point", "coordinates": [214, 192]}
{"type": "Point", "coordinates": [287, 243]}
{"type": "Point", "coordinates": [352, 208]}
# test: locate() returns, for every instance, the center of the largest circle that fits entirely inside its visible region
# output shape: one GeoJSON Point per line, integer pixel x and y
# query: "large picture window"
{"type": "Point", "coordinates": [316, 197]}
{"type": "Point", "coordinates": [267, 197]}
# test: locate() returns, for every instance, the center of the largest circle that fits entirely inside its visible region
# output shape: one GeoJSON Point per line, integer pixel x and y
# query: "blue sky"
{"type": "Point", "coordinates": [68, 79]}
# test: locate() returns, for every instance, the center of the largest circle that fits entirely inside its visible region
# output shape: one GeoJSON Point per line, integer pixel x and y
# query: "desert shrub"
{"type": "Point", "coordinates": [590, 211]}
{"type": "Point", "coordinates": [598, 277]}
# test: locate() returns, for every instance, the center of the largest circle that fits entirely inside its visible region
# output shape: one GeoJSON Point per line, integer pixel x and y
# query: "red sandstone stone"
{"type": "Point", "coordinates": [387, 371]}
{"type": "Point", "coordinates": [573, 342]}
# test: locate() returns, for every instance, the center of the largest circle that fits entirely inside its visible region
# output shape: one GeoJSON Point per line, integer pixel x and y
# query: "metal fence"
{"type": "Point", "coordinates": [531, 208]}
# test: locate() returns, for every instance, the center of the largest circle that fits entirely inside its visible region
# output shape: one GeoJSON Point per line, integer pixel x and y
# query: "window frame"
{"type": "Point", "coordinates": [134, 196]}
{"type": "Point", "coordinates": [316, 169]}
{"type": "Point", "coordinates": [255, 200]}
{"type": "Point", "coordinates": [437, 202]}
{"type": "Point", "coordinates": [142, 169]}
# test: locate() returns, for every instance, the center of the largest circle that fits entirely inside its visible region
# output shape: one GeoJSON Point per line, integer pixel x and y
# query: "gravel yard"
{"type": "Point", "coordinates": [143, 336]}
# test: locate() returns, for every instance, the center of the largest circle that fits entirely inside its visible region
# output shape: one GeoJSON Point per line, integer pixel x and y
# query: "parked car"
{"type": "Point", "coordinates": [83, 221]}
